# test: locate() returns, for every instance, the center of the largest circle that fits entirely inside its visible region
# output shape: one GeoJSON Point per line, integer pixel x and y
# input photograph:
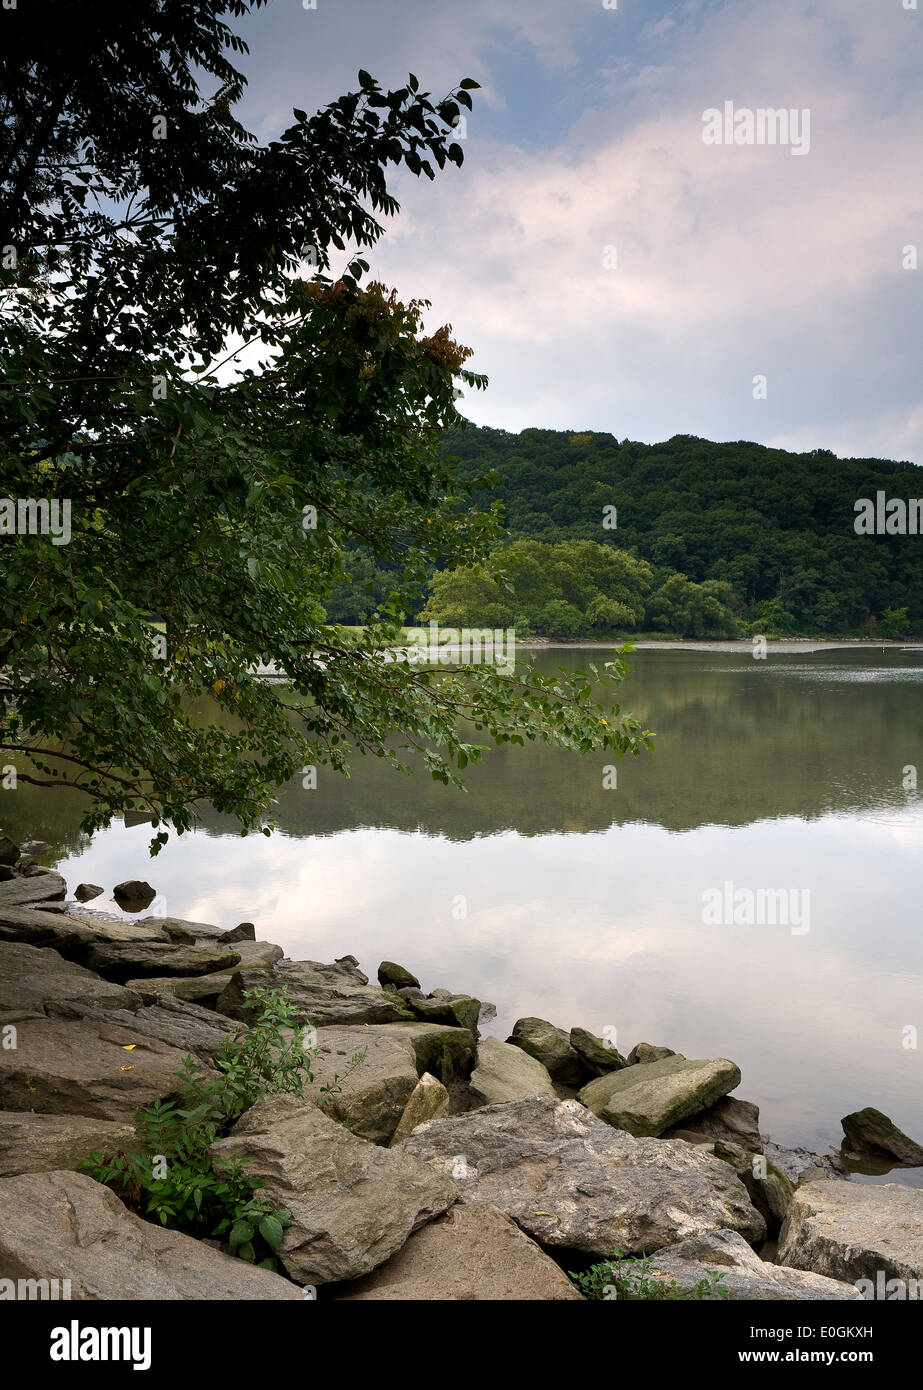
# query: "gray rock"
{"type": "Point", "coordinates": [125, 960]}
{"type": "Point", "coordinates": [32, 889]}
{"type": "Point", "coordinates": [85, 892]}
{"type": "Point", "coordinates": [646, 1052]}
{"type": "Point", "coordinates": [178, 1022]}
{"type": "Point", "coordinates": [454, 1010]}
{"type": "Point", "coordinates": [73, 936]}
{"type": "Point", "coordinates": [595, 1053]}
{"type": "Point", "coordinates": [371, 1099]}
{"type": "Point", "coordinates": [34, 847]}
{"type": "Point", "coordinates": [574, 1183]}
{"type": "Point", "coordinates": [852, 1231]}
{"type": "Point", "coordinates": [41, 981]}
{"type": "Point", "coordinates": [179, 929]}
{"type": "Point", "coordinates": [869, 1131]}
{"type": "Point", "coordinates": [746, 1276]}
{"type": "Point", "coordinates": [244, 931]}
{"type": "Point", "coordinates": [650, 1097]}
{"type": "Point", "coordinates": [471, 1254]}
{"type": "Point", "coordinates": [61, 1225]}
{"type": "Point", "coordinates": [449, 1053]}
{"type": "Point", "coordinates": [800, 1165]}
{"type": "Point", "coordinates": [429, 1100]}
{"type": "Point", "coordinates": [505, 1073]}
{"type": "Point", "coordinates": [31, 1143]}
{"type": "Point", "coordinates": [198, 988]}
{"type": "Point", "coordinates": [353, 1204]}
{"type": "Point", "coordinates": [551, 1046]}
{"type": "Point", "coordinates": [770, 1190]}
{"type": "Point", "coordinates": [390, 973]}
{"type": "Point", "coordinates": [134, 891]}
{"type": "Point", "coordinates": [9, 850]}
{"type": "Point", "coordinates": [729, 1119]}
{"type": "Point", "coordinates": [321, 994]}
{"type": "Point", "coordinates": [85, 1067]}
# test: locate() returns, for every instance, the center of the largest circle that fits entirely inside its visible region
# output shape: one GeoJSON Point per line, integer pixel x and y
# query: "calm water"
{"type": "Point", "coordinates": [546, 893]}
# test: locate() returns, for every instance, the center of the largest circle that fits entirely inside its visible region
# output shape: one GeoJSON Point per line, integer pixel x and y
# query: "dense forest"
{"type": "Point", "coordinates": [715, 540]}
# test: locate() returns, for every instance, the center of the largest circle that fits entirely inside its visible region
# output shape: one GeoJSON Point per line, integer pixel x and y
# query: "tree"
{"type": "Point", "coordinates": [210, 506]}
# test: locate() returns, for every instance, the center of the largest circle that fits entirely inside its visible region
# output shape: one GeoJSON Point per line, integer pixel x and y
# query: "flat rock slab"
{"type": "Point", "coordinates": [39, 980]}
{"type": "Point", "coordinates": [504, 1072]}
{"type": "Point", "coordinates": [23, 892]}
{"type": "Point", "coordinates": [61, 1225]}
{"type": "Point", "coordinates": [353, 1204]}
{"type": "Point", "coordinates": [122, 960]}
{"type": "Point", "coordinates": [373, 1096]}
{"type": "Point", "coordinates": [72, 935]}
{"type": "Point", "coordinates": [321, 994]}
{"type": "Point", "coordinates": [446, 1052]}
{"type": "Point", "coordinates": [649, 1097]}
{"type": "Point", "coordinates": [60, 1067]}
{"type": "Point", "coordinates": [571, 1181]}
{"type": "Point", "coordinates": [177, 1022]}
{"type": "Point", "coordinates": [852, 1231]}
{"type": "Point", "coordinates": [729, 1119]}
{"type": "Point", "coordinates": [472, 1254]}
{"type": "Point", "coordinates": [746, 1276]}
{"type": "Point", "coordinates": [198, 987]}
{"type": "Point", "coordinates": [31, 1143]}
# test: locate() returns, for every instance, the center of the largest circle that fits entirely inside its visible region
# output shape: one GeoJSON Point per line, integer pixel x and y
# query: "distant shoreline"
{"type": "Point", "coordinates": [784, 645]}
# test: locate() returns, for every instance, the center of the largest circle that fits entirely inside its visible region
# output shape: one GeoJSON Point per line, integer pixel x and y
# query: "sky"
{"type": "Point", "coordinates": [611, 269]}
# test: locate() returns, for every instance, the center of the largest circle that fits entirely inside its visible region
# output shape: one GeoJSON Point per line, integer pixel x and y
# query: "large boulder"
{"type": "Point", "coordinates": [123, 960]}
{"type": "Point", "coordinates": [597, 1055]}
{"type": "Point", "coordinates": [455, 1010]}
{"type": "Point", "coordinates": [770, 1190]}
{"type": "Point", "coordinates": [253, 955]}
{"type": "Point", "coordinates": [471, 1254]}
{"type": "Point", "coordinates": [729, 1119]}
{"type": "Point", "coordinates": [448, 1053]}
{"type": "Point", "coordinates": [353, 1204]}
{"type": "Point", "coordinates": [746, 1276]}
{"type": "Point", "coordinates": [429, 1100]}
{"type": "Point", "coordinates": [42, 981]}
{"type": "Point", "coordinates": [370, 1098]}
{"type": "Point", "coordinates": [852, 1231]}
{"type": "Point", "coordinates": [73, 936]}
{"type": "Point", "coordinates": [177, 1022]}
{"type": "Point", "coordinates": [552, 1047]}
{"type": "Point", "coordinates": [390, 973]}
{"type": "Point", "coordinates": [103, 1070]}
{"type": "Point", "coordinates": [648, 1097]}
{"type": "Point", "coordinates": [31, 1143]}
{"type": "Point", "coordinates": [643, 1052]}
{"type": "Point", "coordinates": [572, 1182]}
{"type": "Point", "coordinates": [65, 1226]}
{"type": "Point", "coordinates": [36, 888]}
{"type": "Point", "coordinates": [869, 1131]}
{"type": "Point", "coordinates": [321, 994]}
{"type": "Point", "coordinates": [505, 1072]}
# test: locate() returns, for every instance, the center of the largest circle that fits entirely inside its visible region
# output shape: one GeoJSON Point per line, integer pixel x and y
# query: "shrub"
{"type": "Point", "coordinates": [625, 1277]}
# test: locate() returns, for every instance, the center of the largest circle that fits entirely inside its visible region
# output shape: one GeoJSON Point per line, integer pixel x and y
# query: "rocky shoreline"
{"type": "Point", "coordinates": [446, 1165]}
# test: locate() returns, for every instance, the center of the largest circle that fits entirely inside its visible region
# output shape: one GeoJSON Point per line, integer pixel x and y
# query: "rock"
{"type": "Point", "coordinates": [800, 1165]}
{"type": "Point", "coordinates": [123, 960]}
{"type": "Point", "coordinates": [34, 847]}
{"type": "Point", "coordinates": [321, 994]}
{"type": "Point", "coordinates": [391, 974]}
{"type": "Point", "coordinates": [179, 929]}
{"type": "Point", "coordinates": [770, 1190]}
{"type": "Point", "coordinates": [253, 954]}
{"type": "Point", "coordinates": [83, 1067]}
{"type": "Point", "coordinates": [33, 888]}
{"type": "Point", "coordinates": [649, 1097]}
{"type": "Point", "coordinates": [455, 1010]}
{"type": "Point", "coordinates": [596, 1054]}
{"type": "Point", "coordinates": [852, 1231]}
{"type": "Point", "coordinates": [574, 1183]}
{"type": "Point", "coordinates": [429, 1100]}
{"type": "Point", "coordinates": [449, 1053]}
{"type": "Point", "coordinates": [373, 1097]}
{"type": "Point", "coordinates": [61, 1225]}
{"type": "Point", "coordinates": [353, 1204]}
{"type": "Point", "coordinates": [550, 1046]}
{"type": "Point", "coordinates": [244, 931]}
{"type": "Point", "coordinates": [735, 1121]}
{"type": "Point", "coordinates": [134, 892]}
{"type": "Point", "coordinates": [504, 1073]}
{"type": "Point", "coordinates": [9, 850]}
{"type": "Point", "coordinates": [746, 1276]}
{"type": "Point", "coordinates": [177, 1022]}
{"type": "Point", "coordinates": [471, 1254]}
{"type": "Point", "coordinates": [84, 892]}
{"type": "Point", "coordinates": [646, 1052]}
{"type": "Point", "coordinates": [41, 981]}
{"type": "Point", "coordinates": [6, 873]}
{"type": "Point", "coordinates": [31, 1143]}
{"type": "Point", "coordinates": [869, 1130]}
{"type": "Point", "coordinates": [73, 936]}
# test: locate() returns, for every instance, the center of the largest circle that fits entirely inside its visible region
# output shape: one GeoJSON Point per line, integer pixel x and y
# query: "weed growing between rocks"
{"type": "Point", "coordinates": [173, 1178]}
{"type": "Point", "coordinates": [626, 1277]}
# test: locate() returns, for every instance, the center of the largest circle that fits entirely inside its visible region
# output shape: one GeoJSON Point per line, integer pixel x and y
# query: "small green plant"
{"type": "Point", "coordinates": [172, 1180]}
{"type": "Point", "coordinates": [628, 1277]}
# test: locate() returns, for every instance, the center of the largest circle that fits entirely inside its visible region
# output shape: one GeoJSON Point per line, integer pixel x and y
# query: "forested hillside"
{"type": "Point", "coordinates": [777, 527]}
